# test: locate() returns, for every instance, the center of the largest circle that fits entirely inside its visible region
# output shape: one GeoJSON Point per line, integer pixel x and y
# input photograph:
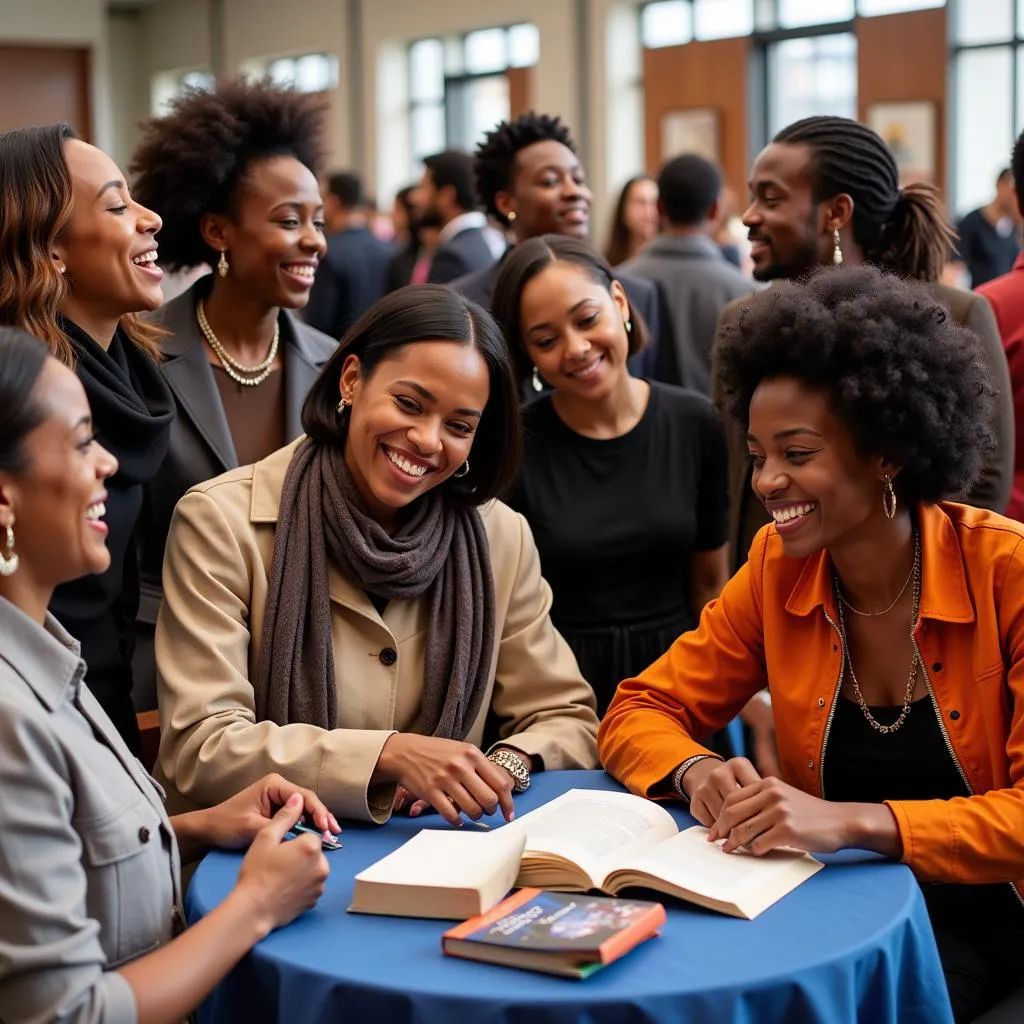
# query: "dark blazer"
{"type": "Point", "coordinates": [351, 277]}
{"type": "Point", "coordinates": [462, 254]}
{"type": "Point", "coordinates": [992, 491]}
{"type": "Point", "coordinates": [657, 361]}
{"type": "Point", "coordinates": [201, 446]}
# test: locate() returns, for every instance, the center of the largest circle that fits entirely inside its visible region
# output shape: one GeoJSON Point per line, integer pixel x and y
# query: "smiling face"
{"type": "Point", "coordinates": [412, 421]}
{"type": "Point", "coordinates": [56, 504]}
{"type": "Point", "coordinates": [108, 249]}
{"type": "Point", "coordinates": [548, 195]}
{"type": "Point", "coordinates": [785, 225]}
{"type": "Point", "coordinates": [819, 490]}
{"type": "Point", "coordinates": [574, 330]}
{"type": "Point", "coordinates": [275, 238]}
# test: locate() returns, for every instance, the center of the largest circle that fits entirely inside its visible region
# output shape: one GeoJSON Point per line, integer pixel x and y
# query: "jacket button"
{"type": "Point", "coordinates": [810, 764]}
{"type": "Point", "coordinates": [954, 715]}
{"type": "Point", "coordinates": [821, 702]}
{"type": "Point", "coordinates": [388, 656]}
{"type": "Point", "coordinates": [143, 834]}
{"type": "Point", "coordinates": [937, 667]}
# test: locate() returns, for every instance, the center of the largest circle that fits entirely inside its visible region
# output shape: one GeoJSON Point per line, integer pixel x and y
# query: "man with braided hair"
{"type": "Point", "coordinates": [530, 179]}
{"type": "Point", "coordinates": [826, 191]}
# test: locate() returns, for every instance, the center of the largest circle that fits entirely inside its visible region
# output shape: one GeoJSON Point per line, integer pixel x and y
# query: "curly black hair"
{"type": "Point", "coordinates": [191, 161]}
{"type": "Point", "coordinates": [495, 157]}
{"type": "Point", "coordinates": [910, 384]}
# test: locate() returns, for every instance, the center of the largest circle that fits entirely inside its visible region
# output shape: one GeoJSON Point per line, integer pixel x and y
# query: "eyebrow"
{"type": "Point", "coordinates": [110, 184]}
{"type": "Point", "coordinates": [571, 310]}
{"type": "Point", "coordinates": [85, 421]}
{"type": "Point", "coordinates": [792, 432]}
{"type": "Point", "coordinates": [427, 396]}
{"type": "Point", "coordinates": [294, 204]}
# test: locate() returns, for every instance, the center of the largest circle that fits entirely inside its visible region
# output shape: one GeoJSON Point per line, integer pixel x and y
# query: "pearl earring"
{"type": "Point", "coordinates": [837, 250]}
{"type": "Point", "coordinates": [537, 384]}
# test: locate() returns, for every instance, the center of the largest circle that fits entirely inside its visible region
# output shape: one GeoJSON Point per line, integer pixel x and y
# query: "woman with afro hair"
{"type": "Point", "coordinates": [886, 621]}
{"type": "Point", "coordinates": [233, 174]}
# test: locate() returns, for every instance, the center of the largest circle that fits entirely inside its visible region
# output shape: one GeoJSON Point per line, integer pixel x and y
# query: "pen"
{"type": "Point", "coordinates": [329, 842]}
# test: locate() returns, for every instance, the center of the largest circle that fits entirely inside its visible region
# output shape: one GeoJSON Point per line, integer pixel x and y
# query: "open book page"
{"type": "Point", "coordinates": [688, 861]}
{"type": "Point", "coordinates": [594, 829]}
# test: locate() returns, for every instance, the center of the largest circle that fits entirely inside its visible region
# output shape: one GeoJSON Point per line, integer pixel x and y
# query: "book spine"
{"type": "Point", "coordinates": [496, 913]}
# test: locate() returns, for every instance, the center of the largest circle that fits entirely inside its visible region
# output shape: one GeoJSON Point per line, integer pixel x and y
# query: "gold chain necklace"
{"type": "Point", "coordinates": [235, 370]}
{"type": "Point", "coordinates": [915, 661]}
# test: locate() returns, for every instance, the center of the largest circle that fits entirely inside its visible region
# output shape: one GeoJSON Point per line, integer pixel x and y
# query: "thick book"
{"type": "Point", "coordinates": [448, 875]}
{"type": "Point", "coordinates": [556, 933]}
{"type": "Point", "coordinates": [595, 839]}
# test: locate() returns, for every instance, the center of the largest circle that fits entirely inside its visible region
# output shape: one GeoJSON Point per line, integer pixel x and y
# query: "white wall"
{"type": "Point", "coordinates": [68, 23]}
{"type": "Point", "coordinates": [129, 75]}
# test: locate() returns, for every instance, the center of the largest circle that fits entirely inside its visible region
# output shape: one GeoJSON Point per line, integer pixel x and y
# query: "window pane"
{"type": "Point", "coordinates": [197, 80]}
{"type": "Point", "coordinates": [869, 8]}
{"type": "Point", "coordinates": [282, 71]}
{"type": "Point", "coordinates": [719, 19]}
{"type": "Point", "coordinates": [816, 75]}
{"type": "Point", "coordinates": [984, 21]}
{"type": "Point", "coordinates": [795, 13]}
{"type": "Point", "coordinates": [427, 131]}
{"type": "Point", "coordinates": [523, 46]}
{"type": "Point", "coordinates": [426, 70]}
{"type": "Point", "coordinates": [454, 57]}
{"type": "Point", "coordinates": [1020, 17]}
{"type": "Point", "coordinates": [668, 23]}
{"type": "Point", "coordinates": [474, 106]}
{"type": "Point", "coordinates": [984, 123]}
{"type": "Point", "coordinates": [315, 72]}
{"type": "Point", "coordinates": [485, 51]}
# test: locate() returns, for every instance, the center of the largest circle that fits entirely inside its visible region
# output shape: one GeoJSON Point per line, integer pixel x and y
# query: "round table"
{"type": "Point", "coordinates": [851, 944]}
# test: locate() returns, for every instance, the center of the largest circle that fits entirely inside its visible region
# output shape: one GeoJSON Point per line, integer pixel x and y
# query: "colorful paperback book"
{"type": "Point", "coordinates": [556, 933]}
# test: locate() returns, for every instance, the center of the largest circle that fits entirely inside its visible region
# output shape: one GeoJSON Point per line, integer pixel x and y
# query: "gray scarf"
{"type": "Point", "coordinates": [441, 551]}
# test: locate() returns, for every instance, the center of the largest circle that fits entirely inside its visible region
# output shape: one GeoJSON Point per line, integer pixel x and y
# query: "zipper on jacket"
{"type": "Point", "coordinates": [835, 704]}
{"type": "Point", "coordinates": [949, 744]}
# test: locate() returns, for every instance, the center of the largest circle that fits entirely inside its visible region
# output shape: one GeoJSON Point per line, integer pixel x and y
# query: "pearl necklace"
{"type": "Point", "coordinates": [235, 370]}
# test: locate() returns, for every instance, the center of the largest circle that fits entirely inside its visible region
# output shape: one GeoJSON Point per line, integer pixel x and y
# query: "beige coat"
{"type": "Point", "coordinates": [215, 579]}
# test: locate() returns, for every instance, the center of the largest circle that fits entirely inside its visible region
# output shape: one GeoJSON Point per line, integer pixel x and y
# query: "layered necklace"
{"type": "Point", "coordinates": [248, 376]}
{"type": "Point", "coordinates": [915, 661]}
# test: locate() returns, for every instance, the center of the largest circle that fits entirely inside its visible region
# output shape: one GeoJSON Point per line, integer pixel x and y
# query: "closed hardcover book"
{"type": "Point", "coordinates": [556, 933]}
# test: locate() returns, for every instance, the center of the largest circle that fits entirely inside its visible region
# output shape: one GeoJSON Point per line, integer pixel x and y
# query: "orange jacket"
{"type": "Point", "coordinates": [774, 625]}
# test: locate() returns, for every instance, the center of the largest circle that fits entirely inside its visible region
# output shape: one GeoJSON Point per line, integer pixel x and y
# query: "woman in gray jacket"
{"type": "Point", "coordinates": [89, 861]}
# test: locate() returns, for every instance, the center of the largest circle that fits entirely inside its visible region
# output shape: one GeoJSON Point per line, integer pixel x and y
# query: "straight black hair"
{"type": "Point", "coordinates": [426, 312]}
{"type": "Point", "coordinates": [22, 359]}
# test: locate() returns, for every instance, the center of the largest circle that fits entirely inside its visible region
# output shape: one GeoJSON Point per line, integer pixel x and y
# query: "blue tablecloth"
{"type": "Point", "coordinates": [853, 944]}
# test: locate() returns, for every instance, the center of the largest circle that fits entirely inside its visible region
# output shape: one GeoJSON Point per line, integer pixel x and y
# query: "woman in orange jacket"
{"type": "Point", "coordinates": [888, 624]}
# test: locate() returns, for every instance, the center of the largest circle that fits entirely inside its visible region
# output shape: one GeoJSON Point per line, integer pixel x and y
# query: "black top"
{"type": "Point", "coordinates": [616, 523]}
{"type": "Point", "coordinates": [865, 766]}
{"type": "Point", "coordinates": [987, 251]}
{"type": "Point", "coordinates": [132, 411]}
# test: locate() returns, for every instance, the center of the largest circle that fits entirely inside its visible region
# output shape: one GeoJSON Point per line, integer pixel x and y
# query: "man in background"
{"type": "Point", "coordinates": [990, 236]}
{"type": "Point", "coordinates": [353, 274]}
{"type": "Point", "coordinates": [445, 196]}
{"type": "Point", "coordinates": [684, 259]}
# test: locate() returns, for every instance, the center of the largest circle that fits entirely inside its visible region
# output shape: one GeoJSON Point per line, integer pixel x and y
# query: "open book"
{"type": "Point", "coordinates": [595, 839]}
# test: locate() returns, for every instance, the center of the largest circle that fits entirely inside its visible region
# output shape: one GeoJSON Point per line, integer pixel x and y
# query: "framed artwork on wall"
{"type": "Point", "coordinates": [910, 131]}
{"type": "Point", "coordinates": [695, 130]}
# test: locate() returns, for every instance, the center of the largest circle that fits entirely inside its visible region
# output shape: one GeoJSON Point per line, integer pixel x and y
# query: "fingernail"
{"type": "Point", "coordinates": [511, 815]}
{"type": "Point", "coordinates": [335, 827]}
{"type": "Point", "coordinates": [295, 798]}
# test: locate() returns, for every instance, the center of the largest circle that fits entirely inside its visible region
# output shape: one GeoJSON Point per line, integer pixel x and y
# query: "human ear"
{"type": "Point", "coordinates": [215, 229]}
{"type": "Point", "coordinates": [618, 294]}
{"type": "Point", "coordinates": [351, 371]}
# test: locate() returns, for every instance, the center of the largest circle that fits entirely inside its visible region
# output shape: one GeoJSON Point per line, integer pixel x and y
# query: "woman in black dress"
{"type": "Point", "coordinates": [77, 259]}
{"type": "Point", "coordinates": [623, 480]}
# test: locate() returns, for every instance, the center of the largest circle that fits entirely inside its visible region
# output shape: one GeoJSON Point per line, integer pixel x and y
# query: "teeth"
{"type": "Point", "coordinates": [588, 370]}
{"type": "Point", "coordinates": [784, 515]}
{"type": "Point", "coordinates": [301, 270]}
{"type": "Point", "coordinates": [404, 464]}
{"type": "Point", "coordinates": [97, 511]}
{"type": "Point", "coordinates": [144, 258]}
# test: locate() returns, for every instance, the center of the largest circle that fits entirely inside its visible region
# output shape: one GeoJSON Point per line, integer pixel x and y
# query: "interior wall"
{"type": "Point", "coordinates": [129, 95]}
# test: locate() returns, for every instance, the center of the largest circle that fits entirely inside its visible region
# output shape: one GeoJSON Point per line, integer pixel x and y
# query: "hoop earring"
{"type": "Point", "coordinates": [343, 405]}
{"type": "Point", "coordinates": [536, 383]}
{"type": "Point", "coordinates": [888, 498]}
{"type": "Point", "coordinates": [461, 471]}
{"type": "Point", "coordinates": [837, 249]}
{"type": "Point", "coordinates": [222, 265]}
{"type": "Point", "coordinates": [9, 562]}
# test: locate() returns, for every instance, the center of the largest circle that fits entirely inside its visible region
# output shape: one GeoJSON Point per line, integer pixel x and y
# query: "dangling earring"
{"type": "Point", "coordinates": [9, 562]}
{"type": "Point", "coordinates": [343, 405]}
{"type": "Point", "coordinates": [462, 470]}
{"type": "Point", "coordinates": [629, 326]}
{"type": "Point", "coordinates": [837, 250]}
{"type": "Point", "coordinates": [222, 265]}
{"type": "Point", "coordinates": [537, 383]}
{"type": "Point", "coordinates": [888, 498]}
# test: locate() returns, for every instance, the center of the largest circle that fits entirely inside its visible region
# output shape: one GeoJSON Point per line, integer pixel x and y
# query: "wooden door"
{"type": "Point", "coordinates": [42, 84]}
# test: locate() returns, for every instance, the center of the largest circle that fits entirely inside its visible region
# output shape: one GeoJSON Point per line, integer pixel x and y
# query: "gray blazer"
{"type": "Point", "coordinates": [89, 868]}
{"type": "Point", "coordinates": [201, 446]}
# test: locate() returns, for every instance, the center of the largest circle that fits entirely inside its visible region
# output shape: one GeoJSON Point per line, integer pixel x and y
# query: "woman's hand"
{"type": "Point", "coordinates": [707, 783]}
{"type": "Point", "coordinates": [769, 814]}
{"type": "Point", "coordinates": [448, 775]}
{"type": "Point", "coordinates": [281, 880]}
{"type": "Point", "coordinates": [236, 822]}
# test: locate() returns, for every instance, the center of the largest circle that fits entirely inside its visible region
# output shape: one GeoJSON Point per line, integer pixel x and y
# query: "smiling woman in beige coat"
{"type": "Point", "coordinates": [357, 611]}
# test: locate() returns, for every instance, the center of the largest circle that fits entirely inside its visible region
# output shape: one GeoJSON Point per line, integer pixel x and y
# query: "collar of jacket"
{"type": "Point", "coordinates": [691, 246]}
{"type": "Point", "coordinates": [47, 657]}
{"type": "Point", "coordinates": [944, 594]}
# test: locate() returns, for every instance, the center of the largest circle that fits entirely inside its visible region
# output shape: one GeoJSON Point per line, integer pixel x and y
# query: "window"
{"type": "Point", "coordinates": [720, 19]}
{"type": "Point", "coordinates": [984, 21]}
{"type": "Point", "coordinates": [811, 75]}
{"type": "Point", "coordinates": [310, 72]}
{"type": "Point", "coordinates": [801, 13]}
{"type": "Point", "coordinates": [169, 85]}
{"type": "Point", "coordinates": [668, 23]}
{"type": "Point", "coordinates": [458, 86]}
{"type": "Point", "coordinates": [869, 8]}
